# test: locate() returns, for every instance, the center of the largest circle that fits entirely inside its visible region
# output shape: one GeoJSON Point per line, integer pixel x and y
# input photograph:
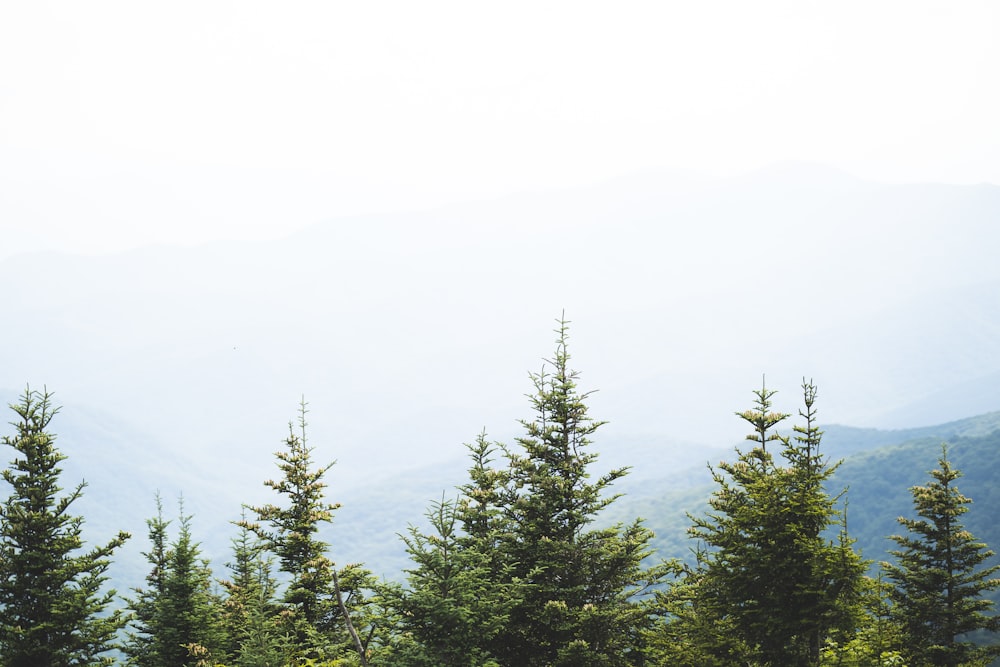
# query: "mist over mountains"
{"type": "Point", "coordinates": [408, 334]}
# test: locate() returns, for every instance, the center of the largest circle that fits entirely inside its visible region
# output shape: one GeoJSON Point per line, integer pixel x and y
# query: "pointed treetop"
{"type": "Point", "coordinates": [761, 417]}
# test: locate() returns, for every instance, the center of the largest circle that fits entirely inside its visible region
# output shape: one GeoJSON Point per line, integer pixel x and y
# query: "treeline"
{"type": "Point", "coordinates": [512, 573]}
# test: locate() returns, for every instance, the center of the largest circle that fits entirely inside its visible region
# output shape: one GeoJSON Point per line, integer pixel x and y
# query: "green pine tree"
{"type": "Point", "coordinates": [53, 606]}
{"type": "Point", "coordinates": [486, 528]}
{"type": "Point", "coordinates": [177, 620]}
{"type": "Point", "coordinates": [451, 609]}
{"type": "Point", "coordinates": [143, 645]}
{"type": "Point", "coordinates": [190, 607]}
{"type": "Point", "coordinates": [483, 497]}
{"type": "Point", "coordinates": [460, 589]}
{"type": "Point", "coordinates": [318, 597]}
{"type": "Point", "coordinates": [939, 577]}
{"type": "Point", "coordinates": [875, 637]}
{"type": "Point", "coordinates": [774, 587]}
{"type": "Point", "coordinates": [250, 609]}
{"type": "Point", "coordinates": [581, 589]}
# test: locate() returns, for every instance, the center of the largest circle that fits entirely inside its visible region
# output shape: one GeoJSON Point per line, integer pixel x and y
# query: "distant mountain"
{"type": "Point", "coordinates": [878, 470]}
{"type": "Point", "coordinates": [125, 467]}
{"type": "Point", "coordinates": [409, 333]}
{"type": "Point", "coordinates": [842, 441]}
{"type": "Point", "coordinates": [879, 481]}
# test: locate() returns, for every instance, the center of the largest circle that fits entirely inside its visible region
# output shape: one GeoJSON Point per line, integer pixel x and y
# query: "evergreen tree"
{"type": "Point", "coordinates": [317, 596]}
{"type": "Point", "coordinates": [875, 637]}
{"type": "Point", "coordinates": [177, 619]}
{"type": "Point", "coordinates": [482, 501]}
{"type": "Point", "coordinates": [939, 579]}
{"type": "Point", "coordinates": [143, 646]}
{"type": "Point", "coordinates": [460, 589]}
{"type": "Point", "coordinates": [775, 587]}
{"type": "Point", "coordinates": [191, 609]}
{"type": "Point", "coordinates": [53, 611]}
{"type": "Point", "coordinates": [691, 632]}
{"type": "Point", "coordinates": [250, 610]}
{"type": "Point", "coordinates": [581, 589]}
{"type": "Point", "coordinates": [451, 609]}
{"type": "Point", "coordinates": [486, 529]}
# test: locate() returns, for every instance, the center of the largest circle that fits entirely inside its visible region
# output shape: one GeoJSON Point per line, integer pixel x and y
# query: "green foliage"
{"type": "Point", "coordinates": [580, 590]}
{"type": "Point", "coordinates": [453, 607]}
{"type": "Point", "coordinates": [291, 532]}
{"type": "Point", "coordinates": [534, 563]}
{"type": "Point", "coordinates": [143, 646]}
{"type": "Point", "coordinates": [250, 611]}
{"type": "Point", "coordinates": [938, 576]}
{"type": "Point", "coordinates": [873, 639]}
{"type": "Point", "coordinates": [513, 573]}
{"type": "Point", "coordinates": [691, 633]}
{"type": "Point", "coordinates": [52, 602]}
{"type": "Point", "coordinates": [770, 588]}
{"type": "Point", "coordinates": [314, 619]}
{"type": "Point", "coordinates": [177, 617]}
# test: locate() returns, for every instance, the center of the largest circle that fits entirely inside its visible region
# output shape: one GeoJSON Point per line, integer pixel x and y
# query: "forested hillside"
{"type": "Point", "coordinates": [530, 551]}
{"type": "Point", "coordinates": [280, 379]}
{"type": "Point", "coordinates": [878, 485]}
{"type": "Point", "coordinates": [878, 469]}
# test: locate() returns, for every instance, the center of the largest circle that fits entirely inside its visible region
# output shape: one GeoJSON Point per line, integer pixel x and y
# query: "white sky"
{"type": "Point", "coordinates": [127, 122]}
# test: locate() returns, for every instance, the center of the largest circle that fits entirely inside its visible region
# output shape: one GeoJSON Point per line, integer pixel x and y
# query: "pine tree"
{"type": "Point", "coordinates": [143, 645]}
{"type": "Point", "coordinates": [581, 597]}
{"type": "Point", "coordinates": [451, 609]}
{"type": "Point", "coordinates": [939, 578]}
{"type": "Point", "coordinates": [177, 619]}
{"type": "Point", "coordinates": [482, 500]}
{"type": "Point", "coordinates": [53, 609]}
{"type": "Point", "coordinates": [486, 528]}
{"type": "Point", "coordinates": [317, 596]}
{"type": "Point", "coordinates": [874, 639]}
{"type": "Point", "coordinates": [250, 610]}
{"type": "Point", "coordinates": [460, 588]}
{"type": "Point", "coordinates": [775, 586]}
{"type": "Point", "coordinates": [691, 632]}
{"type": "Point", "coordinates": [189, 606]}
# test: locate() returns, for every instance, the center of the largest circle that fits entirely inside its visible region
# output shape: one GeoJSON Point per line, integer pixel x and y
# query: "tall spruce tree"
{"type": "Point", "coordinates": [486, 528]}
{"type": "Point", "coordinates": [452, 608]}
{"type": "Point", "coordinates": [53, 609]}
{"type": "Point", "coordinates": [939, 578]}
{"type": "Point", "coordinates": [460, 588]}
{"type": "Point", "coordinates": [250, 609]}
{"type": "Point", "coordinates": [581, 592]}
{"type": "Point", "coordinates": [177, 619]}
{"type": "Point", "coordinates": [143, 645]}
{"type": "Point", "coordinates": [190, 609]}
{"type": "Point", "coordinates": [773, 584]}
{"type": "Point", "coordinates": [317, 596]}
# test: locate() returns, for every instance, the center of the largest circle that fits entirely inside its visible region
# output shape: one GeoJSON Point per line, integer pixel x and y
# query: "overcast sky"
{"type": "Point", "coordinates": [123, 123]}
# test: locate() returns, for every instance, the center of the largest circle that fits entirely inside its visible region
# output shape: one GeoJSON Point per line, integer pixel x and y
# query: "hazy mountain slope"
{"type": "Point", "coordinates": [664, 490]}
{"type": "Point", "coordinates": [879, 483]}
{"type": "Point", "coordinates": [840, 441]}
{"type": "Point", "coordinates": [123, 469]}
{"type": "Point", "coordinates": [878, 470]}
{"type": "Point", "coordinates": [410, 333]}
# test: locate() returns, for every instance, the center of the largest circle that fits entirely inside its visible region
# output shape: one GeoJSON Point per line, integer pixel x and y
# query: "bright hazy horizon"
{"type": "Point", "coordinates": [124, 124]}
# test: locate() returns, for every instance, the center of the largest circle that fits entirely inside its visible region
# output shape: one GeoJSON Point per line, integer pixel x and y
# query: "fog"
{"type": "Point", "coordinates": [210, 212]}
{"type": "Point", "coordinates": [409, 333]}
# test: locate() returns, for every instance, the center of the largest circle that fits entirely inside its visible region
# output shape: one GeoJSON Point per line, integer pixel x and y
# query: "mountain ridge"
{"type": "Point", "coordinates": [405, 345]}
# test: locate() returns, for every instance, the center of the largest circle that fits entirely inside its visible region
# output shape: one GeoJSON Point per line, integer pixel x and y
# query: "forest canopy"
{"type": "Point", "coordinates": [519, 566]}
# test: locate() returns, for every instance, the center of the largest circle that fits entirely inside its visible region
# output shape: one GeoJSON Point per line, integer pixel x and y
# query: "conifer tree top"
{"type": "Point", "coordinates": [52, 594]}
